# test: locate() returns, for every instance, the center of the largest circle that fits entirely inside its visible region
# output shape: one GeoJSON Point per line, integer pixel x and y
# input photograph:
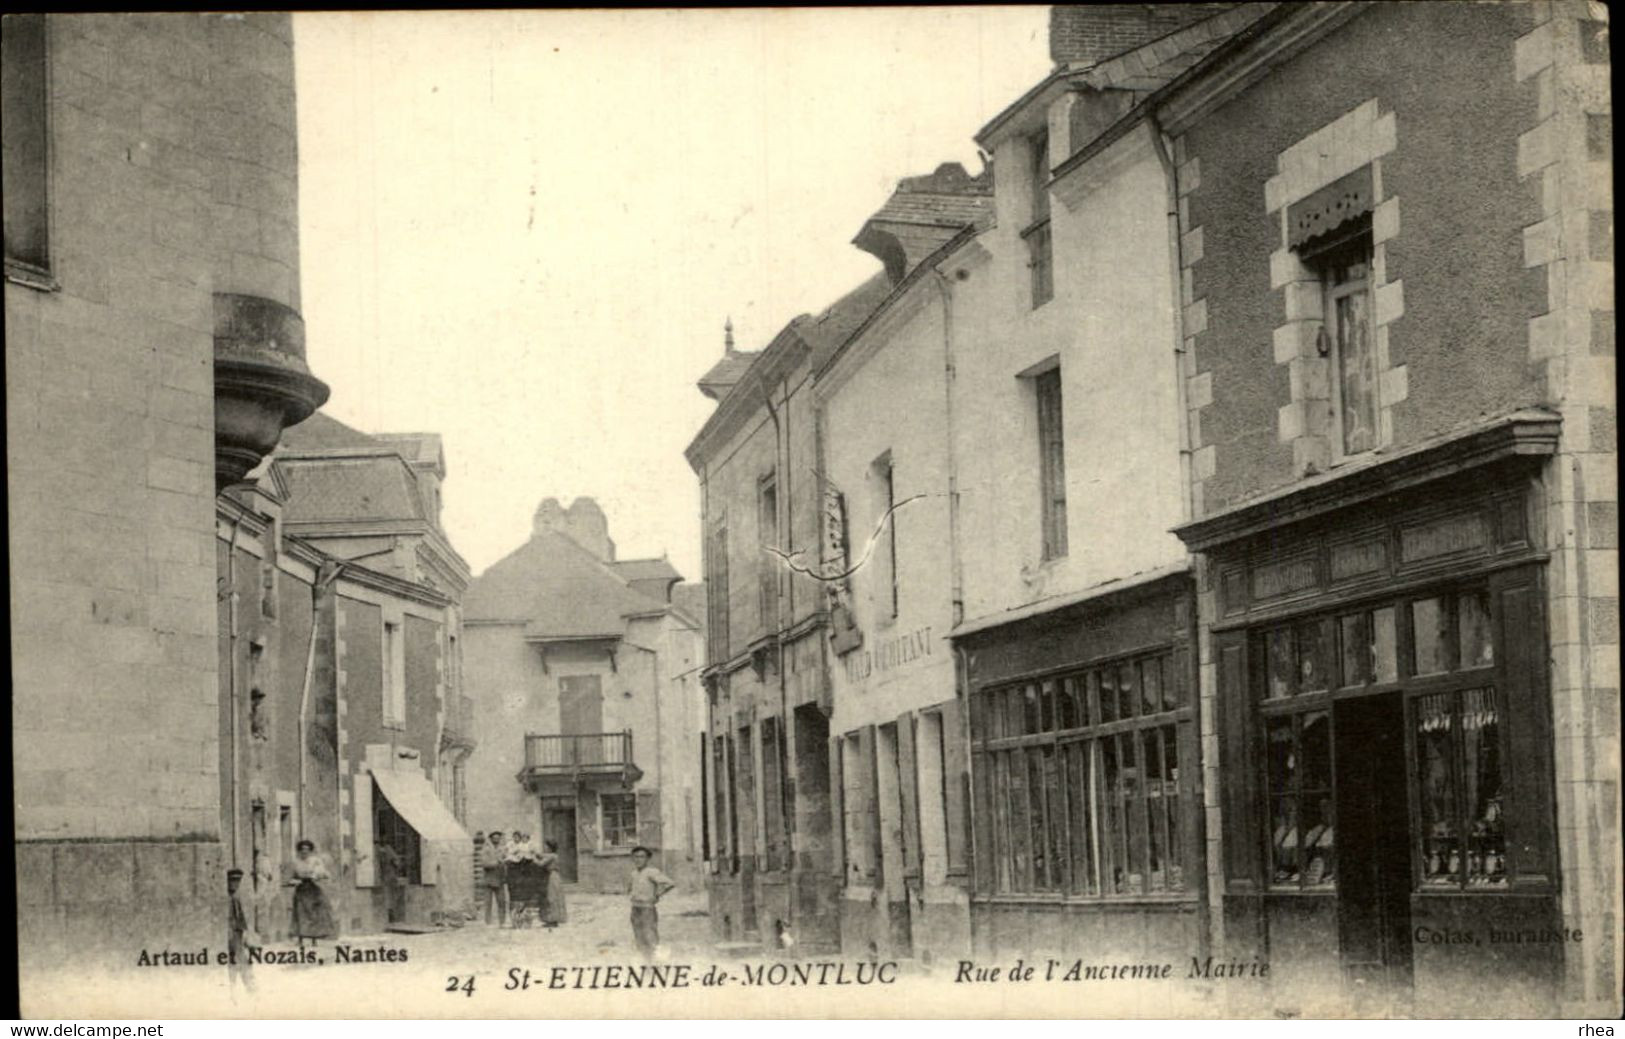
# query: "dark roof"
{"type": "Point", "coordinates": [726, 373]}
{"type": "Point", "coordinates": [418, 448]}
{"type": "Point", "coordinates": [946, 197]}
{"type": "Point", "coordinates": [690, 598]}
{"type": "Point", "coordinates": [558, 589]}
{"type": "Point", "coordinates": [1159, 62]}
{"type": "Point", "coordinates": [376, 487]}
{"type": "Point", "coordinates": [646, 570]}
{"type": "Point", "coordinates": [321, 431]}
{"type": "Point", "coordinates": [826, 332]}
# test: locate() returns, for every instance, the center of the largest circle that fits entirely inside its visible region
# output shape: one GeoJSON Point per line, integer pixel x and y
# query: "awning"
{"type": "Point", "coordinates": [414, 800]}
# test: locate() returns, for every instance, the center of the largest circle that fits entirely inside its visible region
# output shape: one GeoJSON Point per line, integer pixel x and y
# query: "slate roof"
{"type": "Point", "coordinates": [948, 197]}
{"type": "Point", "coordinates": [1159, 62]}
{"type": "Point", "coordinates": [690, 597]}
{"type": "Point", "coordinates": [336, 473]}
{"type": "Point", "coordinates": [826, 332]}
{"type": "Point", "coordinates": [558, 589]}
{"type": "Point", "coordinates": [321, 431]}
{"type": "Point", "coordinates": [726, 373]}
{"type": "Point", "coordinates": [420, 448]}
{"type": "Point", "coordinates": [363, 487]}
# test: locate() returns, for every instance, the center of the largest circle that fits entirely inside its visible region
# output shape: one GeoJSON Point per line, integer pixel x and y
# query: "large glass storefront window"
{"type": "Point", "coordinates": [1080, 773]}
{"type": "Point", "coordinates": [1438, 650]}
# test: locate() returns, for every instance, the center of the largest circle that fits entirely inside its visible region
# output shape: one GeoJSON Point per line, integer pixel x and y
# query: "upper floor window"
{"type": "Point", "coordinates": [1051, 462]}
{"type": "Point", "coordinates": [1040, 253]}
{"type": "Point", "coordinates": [884, 482]}
{"type": "Point", "coordinates": [394, 667]}
{"type": "Point", "coordinates": [23, 117]}
{"type": "Point", "coordinates": [767, 531]}
{"type": "Point", "coordinates": [716, 596]}
{"type": "Point", "coordinates": [1345, 272]}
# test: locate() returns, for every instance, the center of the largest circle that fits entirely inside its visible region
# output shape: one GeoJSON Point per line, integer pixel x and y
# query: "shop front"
{"type": "Point", "coordinates": [411, 851]}
{"type": "Point", "coordinates": [1086, 782]}
{"type": "Point", "coordinates": [1384, 732]}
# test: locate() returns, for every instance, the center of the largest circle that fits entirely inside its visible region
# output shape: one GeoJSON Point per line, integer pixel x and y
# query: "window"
{"type": "Point", "coordinates": [1040, 255]}
{"type": "Point", "coordinates": [1438, 648]}
{"type": "Point", "coordinates": [618, 820]}
{"type": "Point", "coordinates": [394, 685]}
{"type": "Point", "coordinates": [883, 590]}
{"type": "Point", "coordinates": [1051, 462]}
{"type": "Point", "coordinates": [23, 114]}
{"type": "Point", "coordinates": [1345, 270]}
{"type": "Point", "coordinates": [774, 809]}
{"type": "Point", "coordinates": [1078, 781]}
{"type": "Point", "coordinates": [717, 594]}
{"type": "Point", "coordinates": [767, 532]}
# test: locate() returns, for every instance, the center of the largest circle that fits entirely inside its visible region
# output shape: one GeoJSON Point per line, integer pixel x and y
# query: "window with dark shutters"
{"type": "Point", "coordinates": [1052, 462]}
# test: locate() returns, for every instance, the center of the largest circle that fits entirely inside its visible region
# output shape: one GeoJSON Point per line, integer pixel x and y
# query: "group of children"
{"type": "Point", "coordinates": [518, 881]}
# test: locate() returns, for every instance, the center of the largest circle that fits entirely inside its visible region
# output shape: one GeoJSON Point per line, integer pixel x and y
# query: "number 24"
{"type": "Point", "coordinates": [454, 983]}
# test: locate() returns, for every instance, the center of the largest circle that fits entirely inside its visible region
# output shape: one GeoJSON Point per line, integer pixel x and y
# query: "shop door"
{"type": "Point", "coordinates": [1373, 824]}
{"type": "Point", "coordinates": [559, 826]}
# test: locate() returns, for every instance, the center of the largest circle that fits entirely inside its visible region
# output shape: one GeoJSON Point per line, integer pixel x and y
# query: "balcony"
{"type": "Point", "coordinates": [557, 762]}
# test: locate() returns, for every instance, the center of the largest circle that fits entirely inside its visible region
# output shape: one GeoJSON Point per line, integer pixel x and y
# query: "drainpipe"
{"type": "Point", "coordinates": [236, 742]}
{"type": "Point", "coordinates": [327, 573]}
{"type": "Point", "coordinates": [1171, 185]}
{"type": "Point", "coordinates": [948, 375]}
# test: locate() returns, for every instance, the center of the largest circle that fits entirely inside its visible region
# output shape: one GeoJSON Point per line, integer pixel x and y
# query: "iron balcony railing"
{"type": "Point", "coordinates": [607, 751]}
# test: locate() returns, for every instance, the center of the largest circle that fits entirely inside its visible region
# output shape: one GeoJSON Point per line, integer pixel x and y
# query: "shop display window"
{"type": "Point", "coordinates": [1463, 838]}
{"type": "Point", "coordinates": [1455, 734]}
{"type": "Point", "coordinates": [1084, 785]}
{"type": "Point", "coordinates": [1298, 782]}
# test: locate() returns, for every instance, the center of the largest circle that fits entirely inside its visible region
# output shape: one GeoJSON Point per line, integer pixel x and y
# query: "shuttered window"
{"type": "Point", "coordinates": [1052, 462]}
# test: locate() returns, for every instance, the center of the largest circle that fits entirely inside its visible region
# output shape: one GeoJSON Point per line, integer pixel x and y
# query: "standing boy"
{"type": "Point", "coordinates": [646, 888]}
{"type": "Point", "coordinates": [240, 933]}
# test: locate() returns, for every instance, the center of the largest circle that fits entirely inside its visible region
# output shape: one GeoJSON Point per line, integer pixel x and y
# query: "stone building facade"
{"type": "Point", "coordinates": [1401, 506]}
{"type": "Point", "coordinates": [1278, 524]}
{"type": "Point", "coordinates": [581, 669]}
{"type": "Point", "coordinates": [153, 353]}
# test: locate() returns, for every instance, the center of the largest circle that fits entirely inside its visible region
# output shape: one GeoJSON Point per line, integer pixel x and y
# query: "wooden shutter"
{"type": "Point", "coordinates": [1237, 764]}
{"type": "Point", "coordinates": [581, 704]}
{"type": "Point", "coordinates": [908, 784]}
{"type": "Point", "coordinates": [1520, 652]}
{"type": "Point", "coordinates": [837, 807]}
{"type": "Point", "coordinates": [366, 864]}
{"type": "Point", "coordinates": [956, 766]}
{"type": "Point", "coordinates": [1243, 889]}
{"type": "Point", "coordinates": [650, 830]}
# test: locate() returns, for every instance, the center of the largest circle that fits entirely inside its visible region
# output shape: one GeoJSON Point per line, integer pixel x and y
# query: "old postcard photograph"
{"type": "Point", "coordinates": [1098, 511]}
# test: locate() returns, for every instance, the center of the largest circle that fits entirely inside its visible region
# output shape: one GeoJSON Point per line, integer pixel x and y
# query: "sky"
{"type": "Point", "coordinates": [524, 230]}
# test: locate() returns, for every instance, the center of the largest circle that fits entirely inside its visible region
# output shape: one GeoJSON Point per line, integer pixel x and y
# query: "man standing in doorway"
{"type": "Point", "coordinates": [494, 878]}
{"type": "Point", "coordinates": [646, 888]}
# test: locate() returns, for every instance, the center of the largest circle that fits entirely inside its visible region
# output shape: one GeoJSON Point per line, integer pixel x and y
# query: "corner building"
{"type": "Point", "coordinates": [154, 353]}
{"type": "Point", "coordinates": [1399, 315]}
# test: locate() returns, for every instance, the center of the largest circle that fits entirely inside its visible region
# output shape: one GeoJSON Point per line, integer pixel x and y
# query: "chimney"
{"type": "Point", "coordinates": [1088, 34]}
{"type": "Point", "coordinates": [583, 522]}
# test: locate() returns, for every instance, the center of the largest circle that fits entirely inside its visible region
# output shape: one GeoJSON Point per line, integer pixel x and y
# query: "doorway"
{"type": "Point", "coordinates": [559, 826]}
{"type": "Point", "coordinates": [1373, 823]}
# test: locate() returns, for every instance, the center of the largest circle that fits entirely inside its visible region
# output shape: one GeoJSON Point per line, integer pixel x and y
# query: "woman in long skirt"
{"type": "Point", "coordinates": [553, 908]}
{"type": "Point", "coordinates": [312, 916]}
